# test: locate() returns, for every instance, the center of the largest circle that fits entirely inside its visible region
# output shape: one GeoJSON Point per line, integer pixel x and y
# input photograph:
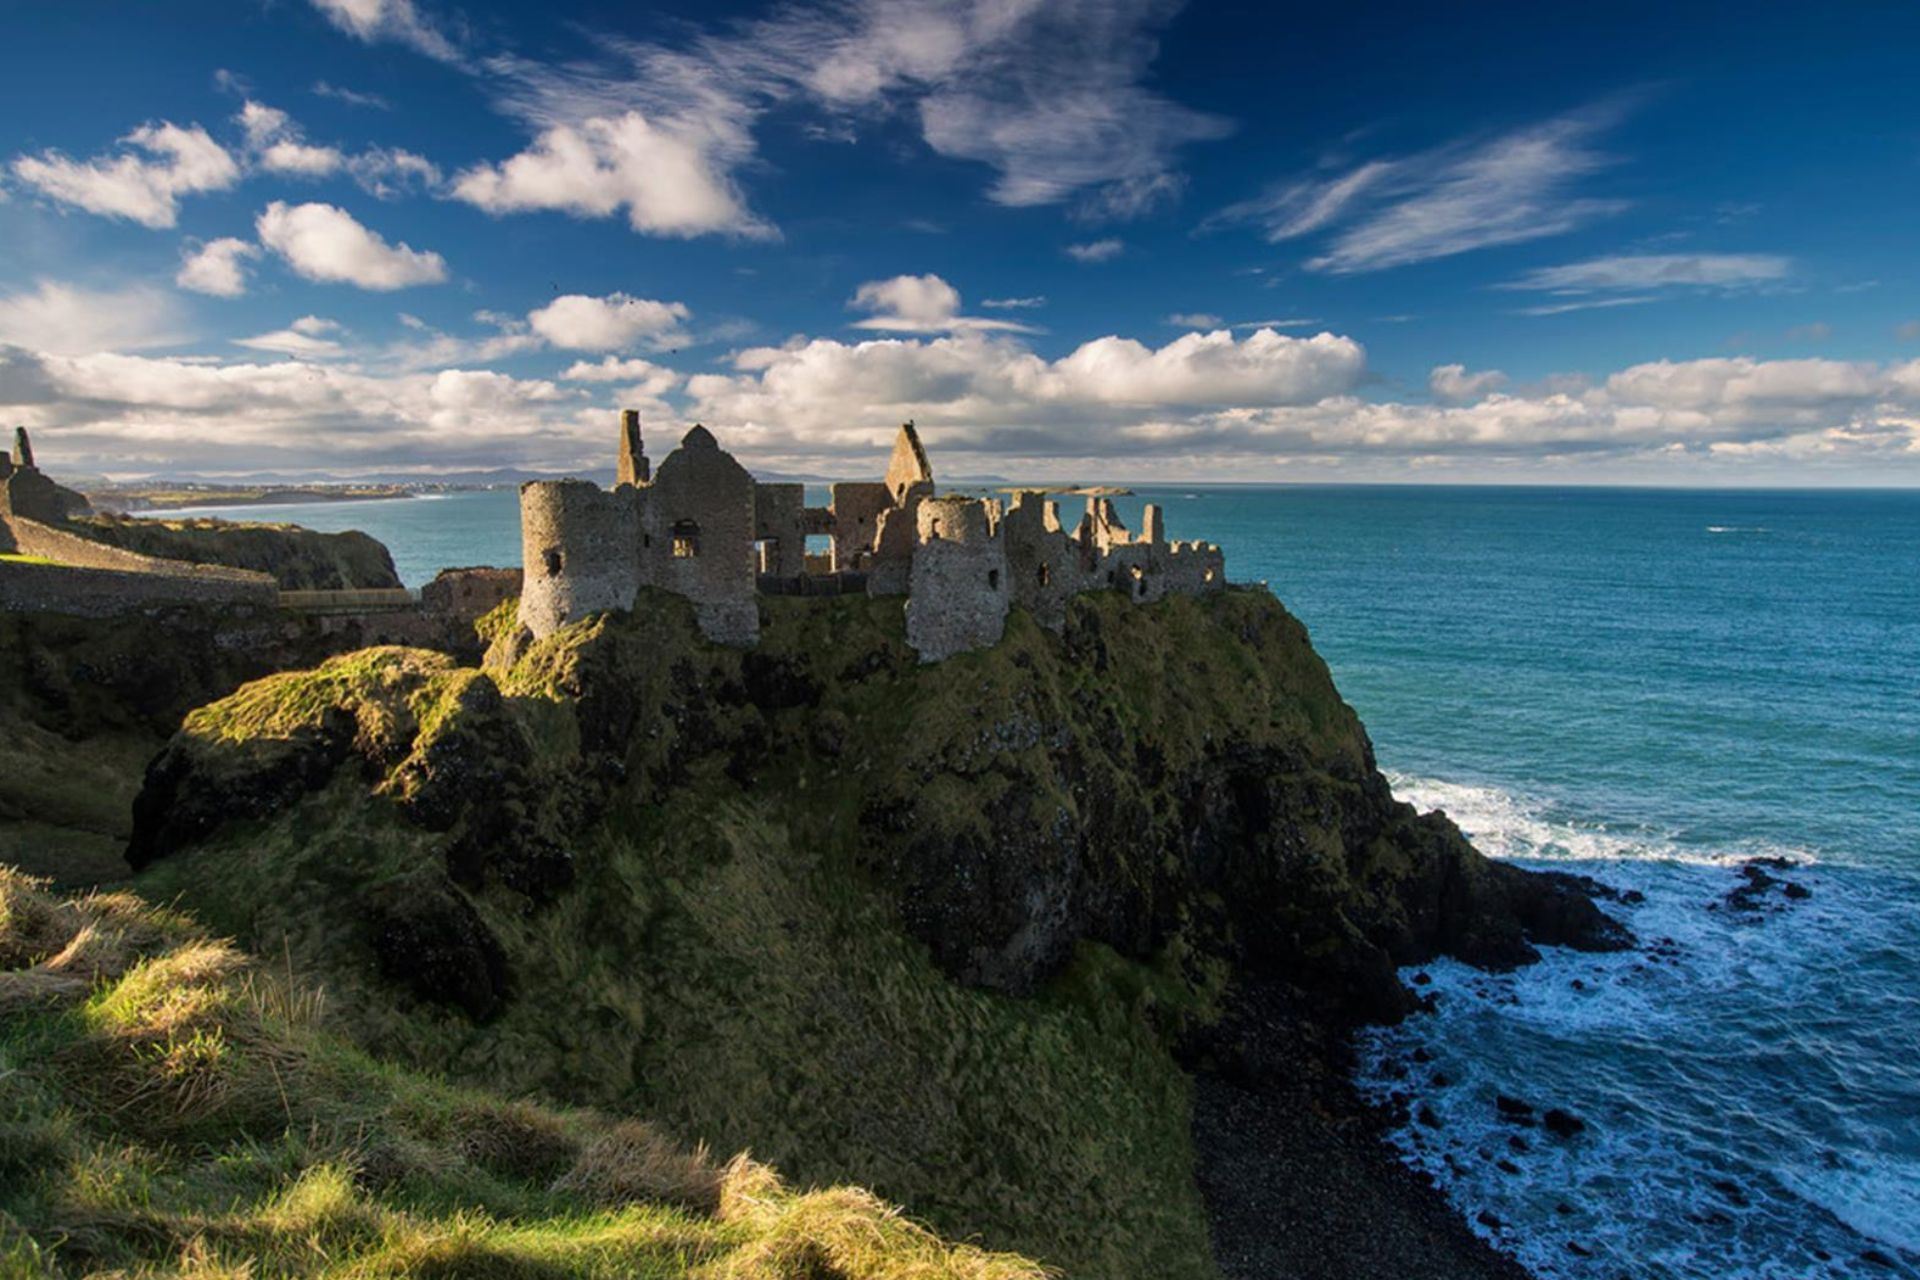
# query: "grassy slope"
{"type": "Point", "coordinates": [723, 967]}
{"type": "Point", "coordinates": [166, 1108]}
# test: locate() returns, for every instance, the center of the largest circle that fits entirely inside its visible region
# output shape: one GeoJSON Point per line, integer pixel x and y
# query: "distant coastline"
{"type": "Point", "coordinates": [1072, 490]}
{"type": "Point", "coordinates": [136, 498]}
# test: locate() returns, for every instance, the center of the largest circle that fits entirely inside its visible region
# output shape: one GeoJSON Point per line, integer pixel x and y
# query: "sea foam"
{"type": "Point", "coordinates": [1746, 1079]}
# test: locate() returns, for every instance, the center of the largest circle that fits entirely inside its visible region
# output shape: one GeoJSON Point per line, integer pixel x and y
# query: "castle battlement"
{"type": "Point", "coordinates": [701, 527]}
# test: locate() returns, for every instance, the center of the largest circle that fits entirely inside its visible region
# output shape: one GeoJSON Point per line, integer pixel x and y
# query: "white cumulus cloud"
{"type": "Point", "coordinates": [616, 322]}
{"type": "Point", "coordinates": [217, 267]}
{"type": "Point", "coordinates": [670, 180]}
{"type": "Point", "coordinates": [324, 243]}
{"type": "Point", "coordinates": [919, 304]}
{"type": "Point", "coordinates": [1452, 384]}
{"type": "Point", "coordinates": [142, 188]}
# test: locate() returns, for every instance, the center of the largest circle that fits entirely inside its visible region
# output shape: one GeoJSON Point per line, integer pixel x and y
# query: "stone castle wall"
{"type": "Point", "coordinates": [702, 528]}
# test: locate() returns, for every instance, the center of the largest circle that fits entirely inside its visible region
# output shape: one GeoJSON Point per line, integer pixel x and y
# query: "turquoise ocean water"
{"type": "Point", "coordinates": [1648, 687]}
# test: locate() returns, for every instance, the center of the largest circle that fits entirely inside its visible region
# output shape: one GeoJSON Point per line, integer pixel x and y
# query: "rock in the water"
{"type": "Point", "coordinates": [1563, 1124]}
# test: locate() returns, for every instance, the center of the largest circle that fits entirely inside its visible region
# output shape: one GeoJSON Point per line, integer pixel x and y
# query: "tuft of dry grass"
{"type": "Point", "coordinates": [632, 1163]}
{"type": "Point", "coordinates": [515, 1140]}
{"type": "Point", "coordinates": [841, 1233]}
{"type": "Point", "coordinates": [33, 923]}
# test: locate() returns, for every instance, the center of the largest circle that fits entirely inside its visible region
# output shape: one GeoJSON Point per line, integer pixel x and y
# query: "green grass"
{"type": "Point", "coordinates": [170, 1108]}
{"type": "Point", "coordinates": [727, 962]}
{"type": "Point", "coordinates": [15, 558]}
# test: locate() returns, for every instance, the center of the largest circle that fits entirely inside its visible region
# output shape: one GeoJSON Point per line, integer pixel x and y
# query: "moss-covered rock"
{"type": "Point", "coordinates": [938, 929]}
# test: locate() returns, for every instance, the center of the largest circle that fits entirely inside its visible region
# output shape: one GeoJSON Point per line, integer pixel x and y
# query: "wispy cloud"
{"type": "Point", "coordinates": [1519, 186]}
{"type": "Point", "coordinates": [1049, 96]}
{"type": "Point", "coordinates": [1582, 304]}
{"type": "Point", "coordinates": [1096, 250]}
{"type": "Point", "coordinates": [1194, 320]}
{"type": "Point", "coordinates": [1638, 272]}
{"type": "Point", "coordinates": [1014, 304]}
{"type": "Point", "coordinates": [401, 21]}
{"type": "Point", "coordinates": [67, 319]}
{"type": "Point", "coordinates": [304, 339]}
{"type": "Point", "coordinates": [352, 97]}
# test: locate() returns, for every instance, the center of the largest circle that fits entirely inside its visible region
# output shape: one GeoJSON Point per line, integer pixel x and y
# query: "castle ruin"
{"type": "Point", "coordinates": [703, 528]}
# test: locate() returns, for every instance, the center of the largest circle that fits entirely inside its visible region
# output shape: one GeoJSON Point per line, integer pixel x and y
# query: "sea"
{"type": "Point", "coordinates": [1652, 688]}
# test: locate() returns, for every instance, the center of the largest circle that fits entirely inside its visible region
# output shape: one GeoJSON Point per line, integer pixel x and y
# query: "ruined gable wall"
{"type": "Point", "coordinates": [579, 545]}
{"type": "Point", "coordinates": [908, 471]}
{"type": "Point", "coordinates": [890, 570]}
{"type": "Point", "coordinates": [857, 507]}
{"type": "Point", "coordinates": [30, 493]}
{"type": "Point", "coordinates": [1043, 563]}
{"type": "Point", "coordinates": [701, 484]}
{"type": "Point", "coordinates": [779, 521]}
{"type": "Point", "coordinates": [959, 592]}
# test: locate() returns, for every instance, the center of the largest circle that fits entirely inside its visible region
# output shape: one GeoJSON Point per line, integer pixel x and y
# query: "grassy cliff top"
{"type": "Point", "coordinates": [169, 1107]}
{"type": "Point", "coordinates": [951, 932]}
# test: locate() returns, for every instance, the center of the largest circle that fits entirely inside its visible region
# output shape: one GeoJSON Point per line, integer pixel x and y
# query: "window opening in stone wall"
{"type": "Point", "coordinates": [1045, 575]}
{"type": "Point", "coordinates": [933, 529]}
{"type": "Point", "coordinates": [686, 539]}
{"type": "Point", "coordinates": [767, 553]}
{"type": "Point", "coordinates": [993, 579]}
{"type": "Point", "coordinates": [553, 562]}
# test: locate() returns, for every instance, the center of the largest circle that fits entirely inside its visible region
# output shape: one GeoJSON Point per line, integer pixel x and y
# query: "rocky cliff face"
{"type": "Point", "coordinates": [299, 559]}
{"type": "Point", "coordinates": [950, 929]}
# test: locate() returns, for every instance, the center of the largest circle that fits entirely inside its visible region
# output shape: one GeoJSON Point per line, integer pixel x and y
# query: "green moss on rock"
{"type": "Point", "coordinates": [937, 929]}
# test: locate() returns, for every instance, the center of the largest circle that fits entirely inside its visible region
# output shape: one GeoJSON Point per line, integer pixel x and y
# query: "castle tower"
{"type": "Point", "coordinates": [634, 467]}
{"type": "Point", "coordinates": [958, 594]}
{"type": "Point", "coordinates": [22, 448]}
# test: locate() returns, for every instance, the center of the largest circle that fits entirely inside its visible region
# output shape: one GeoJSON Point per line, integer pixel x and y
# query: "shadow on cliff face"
{"type": "Point", "coordinates": [1106, 845]}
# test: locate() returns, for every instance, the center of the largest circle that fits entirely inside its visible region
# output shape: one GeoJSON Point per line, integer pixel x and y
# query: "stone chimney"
{"type": "Point", "coordinates": [22, 448]}
{"type": "Point", "coordinates": [634, 467]}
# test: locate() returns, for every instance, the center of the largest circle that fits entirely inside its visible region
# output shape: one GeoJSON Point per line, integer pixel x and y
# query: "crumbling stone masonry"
{"type": "Point", "coordinates": [703, 528]}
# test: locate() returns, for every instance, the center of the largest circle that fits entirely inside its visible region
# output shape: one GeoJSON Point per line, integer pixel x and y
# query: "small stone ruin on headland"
{"type": "Point", "coordinates": [701, 527]}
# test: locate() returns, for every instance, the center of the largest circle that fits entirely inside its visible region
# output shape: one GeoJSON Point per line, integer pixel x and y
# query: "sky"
{"type": "Point", "coordinates": [1669, 244]}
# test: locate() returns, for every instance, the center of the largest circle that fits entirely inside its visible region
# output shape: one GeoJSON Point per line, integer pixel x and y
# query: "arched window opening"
{"type": "Point", "coordinates": [933, 530]}
{"type": "Point", "coordinates": [993, 579]}
{"type": "Point", "coordinates": [686, 539]}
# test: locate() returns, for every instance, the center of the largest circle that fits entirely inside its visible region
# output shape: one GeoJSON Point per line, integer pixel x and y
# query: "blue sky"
{"type": "Point", "coordinates": [1101, 238]}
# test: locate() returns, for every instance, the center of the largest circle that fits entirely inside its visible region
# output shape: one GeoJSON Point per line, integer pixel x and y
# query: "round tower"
{"type": "Point", "coordinates": [580, 546]}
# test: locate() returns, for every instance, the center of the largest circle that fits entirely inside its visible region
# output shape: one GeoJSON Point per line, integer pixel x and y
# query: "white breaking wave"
{"type": "Point", "coordinates": [1739, 1075]}
{"type": "Point", "coordinates": [1502, 825]}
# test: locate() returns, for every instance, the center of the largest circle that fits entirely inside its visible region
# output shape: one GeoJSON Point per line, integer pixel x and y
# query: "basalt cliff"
{"type": "Point", "coordinates": [1028, 941]}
